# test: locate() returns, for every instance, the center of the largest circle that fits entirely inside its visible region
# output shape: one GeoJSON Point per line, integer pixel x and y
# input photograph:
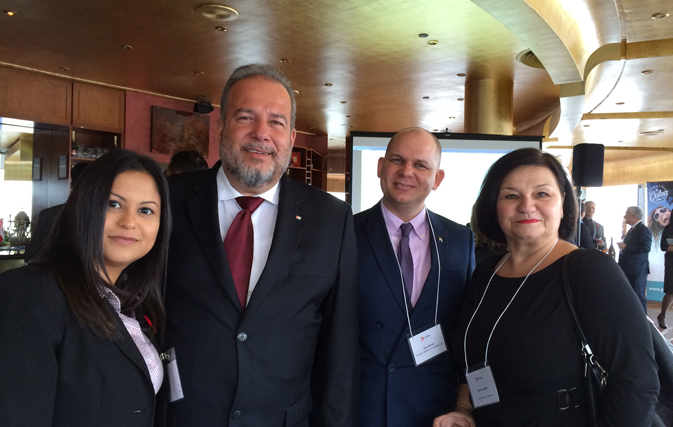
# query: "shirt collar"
{"type": "Point", "coordinates": [225, 191]}
{"type": "Point", "coordinates": [393, 223]}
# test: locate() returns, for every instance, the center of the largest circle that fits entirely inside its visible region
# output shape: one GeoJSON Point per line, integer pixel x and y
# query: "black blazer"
{"type": "Point", "coordinates": [394, 392]}
{"type": "Point", "coordinates": [294, 348]}
{"type": "Point", "coordinates": [40, 230]}
{"type": "Point", "coordinates": [56, 372]}
{"type": "Point", "coordinates": [634, 258]}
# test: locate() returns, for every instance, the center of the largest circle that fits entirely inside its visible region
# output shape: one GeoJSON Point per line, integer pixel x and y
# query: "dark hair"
{"type": "Point", "coordinates": [76, 171]}
{"type": "Point", "coordinates": [74, 251]}
{"type": "Point", "coordinates": [186, 161]}
{"type": "Point", "coordinates": [252, 70]}
{"type": "Point", "coordinates": [486, 206]}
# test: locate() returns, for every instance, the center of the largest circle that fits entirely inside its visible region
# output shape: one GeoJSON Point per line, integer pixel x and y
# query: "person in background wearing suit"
{"type": "Point", "coordinates": [47, 218]}
{"type": "Point", "coordinates": [597, 231]}
{"type": "Point", "coordinates": [77, 322]}
{"type": "Point", "coordinates": [634, 252]}
{"type": "Point", "coordinates": [262, 279]}
{"type": "Point", "coordinates": [413, 266]}
{"type": "Point", "coordinates": [586, 240]}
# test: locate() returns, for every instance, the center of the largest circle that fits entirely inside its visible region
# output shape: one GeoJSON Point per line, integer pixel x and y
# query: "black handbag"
{"type": "Point", "coordinates": [596, 376]}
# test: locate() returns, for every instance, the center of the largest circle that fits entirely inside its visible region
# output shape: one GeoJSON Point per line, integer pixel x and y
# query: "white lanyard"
{"type": "Point", "coordinates": [503, 312]}
{"type": "Point", "coordinates": [439, 272]}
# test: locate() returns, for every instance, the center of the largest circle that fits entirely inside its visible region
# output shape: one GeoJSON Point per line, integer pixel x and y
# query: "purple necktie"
{"type": "Point", "coordinates": [405, 259]}
{"type": "Point", "coordinates": [239, 244]}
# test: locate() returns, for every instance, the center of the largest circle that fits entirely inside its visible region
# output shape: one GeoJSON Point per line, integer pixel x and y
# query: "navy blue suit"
{"type": "Point", "coordinates": [394, 392]}
{"type": "Point", "coordinates": [634, 259]}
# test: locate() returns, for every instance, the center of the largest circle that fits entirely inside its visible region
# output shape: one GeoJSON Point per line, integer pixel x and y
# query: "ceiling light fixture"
{"type": "Point", "coordinates": [528, 58]}
{"type": "Point", "coordinates": [461, 99]}
{"type": "Point", "coordinates": [64, 69]}
{"type": "Point", "coordinates": [423, 35]}
{"type": "Point", "coordinates": [433, 42]}
{"type": "Point", "coordinates": [426, 97]}
{"type": "Point", "coordinates": [9, 12]}
{"type": "Point", "coordinates": [285, 61]}
{"type": "Point", "coordinates": [460, 74]}
{"type": "Point", "coordinates": [619, 103]}
{"type": "Point", "coordinates": [652, 132]}
{"type": "Point", "coordinates": [647, 71]}
{"type": "Point", "coordinates": [452, 117]}
{"type": "Point", "coordinates": [659, 15]}
{"type": "Point", "coordinates": [347, 115]}
{"type": "Point", "coordinates": [217, 12]}
{"type": "Point", "coordinates": [329, 84]}
{"type": "Point", "coordinates": [127, 47]}
{"type": "Point", "coordinates": [199, 73]}
{"type": "Point", "coordinates": [295, 91]}
{"type": "Point", "coordinates": [435, 130]}
{"type": "Point", "coordinates": [343, 102]}
{"type": "Point", "coordinates": [222, 29]}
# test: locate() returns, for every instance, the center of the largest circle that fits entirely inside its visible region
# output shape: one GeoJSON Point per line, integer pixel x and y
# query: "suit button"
{"type": "Point", "coordinates": [391, 368]}
{"type": "Point", "coordinates": [242, 336]}
{"type": "Point", "coordinates": [236, 415]}
{"type": "Point", "coordinates": [380, 325]}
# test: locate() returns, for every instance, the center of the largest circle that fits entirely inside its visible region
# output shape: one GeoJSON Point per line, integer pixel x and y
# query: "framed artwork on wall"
{"type": "Point", "coordinates": [174, 131]}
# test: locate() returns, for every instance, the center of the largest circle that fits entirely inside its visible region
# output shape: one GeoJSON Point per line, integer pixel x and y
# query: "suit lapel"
{"type": "Point", "coordinates": [290, 222]}
{"type": "Point", "coordinates": [428, 296]}
{"type": "Point", "coordinates": [128, 347]}
{"type": "Point", "coordinates": [379, 241]}
{"type": "Point", "coordinates": [202, 210]}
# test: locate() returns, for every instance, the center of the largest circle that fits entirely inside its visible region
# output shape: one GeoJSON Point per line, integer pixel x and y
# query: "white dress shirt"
{"type": "Point", "coordinates": [263, 222]}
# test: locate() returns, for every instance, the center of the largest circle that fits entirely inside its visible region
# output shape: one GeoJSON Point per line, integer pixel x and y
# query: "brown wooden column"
{"type": "Point", "coordinates": [488, 106]}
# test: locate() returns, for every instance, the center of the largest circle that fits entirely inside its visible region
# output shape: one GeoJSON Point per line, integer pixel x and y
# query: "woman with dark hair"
{"type": "Point", "coordinates": [657, 220]}
{"type": "Point", "coordinates": [76, 322]}
{"type": "Point", "coordinates": [515, 337]}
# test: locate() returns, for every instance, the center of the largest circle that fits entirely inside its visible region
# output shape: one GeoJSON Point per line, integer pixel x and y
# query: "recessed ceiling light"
{"type": "Point", "coordinates": [647, 71]}
{"type": "Point", "coordinates": [461, 99]}
{"type": "Point", "coordinates": [659, 15]}
{"type": "Point", "coordinates": [347, 115]}
{"type": "Point", "coordinates": [426, 97]}
{"type": "Point", "coordinates": [217, 12]}
{"type": "Point", "coordinates": [64, 69]}
{"type": "Point", "coordinates": [285, 61]}
{"type": "Point", "coordinates": [9, 12]}
{"type": "Point", "coordinates": [586, 126]}
{"type": "Point", "coordinates": [452, 117]}
{"type": "Point", "coordinates": [295, 91]}
{"type": "Point", "coordinates": [619, 103]}
{"type": "Point", "coordinates": [422, 35]}
{"type": "Point", "coordinates": [329, 84]}
{"type": "Point", "coordinates": [127, 47]}
{"type": "Point", "coordinates": [222, 29]}
{"type": "Point", "coordinates": [620, 141]}
{"type": "Point", "coordinates": [343, 102]}
{"type": "Point", "coordinates": [460, 74]}
{"type": "Point", "coordinates": [199, 73]}
{"type": "Point", "coordinates": [435, 130]}
{"type": "Point", "coordinates": [350, 126]}
{"type": "Point", "coordinates": [311, 128]}
{"type": "Point", "coordinates": [433, 42]}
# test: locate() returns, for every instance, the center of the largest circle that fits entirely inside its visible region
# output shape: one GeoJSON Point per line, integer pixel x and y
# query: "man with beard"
{"type": "Point", "coordinates": [261, 293]}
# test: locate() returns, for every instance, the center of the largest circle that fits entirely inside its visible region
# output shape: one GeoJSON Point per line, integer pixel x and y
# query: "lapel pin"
{"type": "Point", "coordinates": [440, 239]}
{"type": "Point", "coordinates": [298, 217]}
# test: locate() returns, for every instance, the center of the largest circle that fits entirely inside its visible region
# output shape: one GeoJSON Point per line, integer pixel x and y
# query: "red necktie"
{"type": "Point", "coordinates": [239, 244]}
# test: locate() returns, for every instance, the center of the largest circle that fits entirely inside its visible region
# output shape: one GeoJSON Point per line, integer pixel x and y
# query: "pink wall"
{"type": "Point", "coordinates": [138, 132]}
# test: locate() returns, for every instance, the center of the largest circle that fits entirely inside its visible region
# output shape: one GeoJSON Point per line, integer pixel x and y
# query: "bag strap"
{"type": "Point", "coordinates": [588, 355]}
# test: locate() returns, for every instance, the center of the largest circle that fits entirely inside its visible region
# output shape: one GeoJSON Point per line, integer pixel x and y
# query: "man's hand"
{"type": "Point", "coordinates": [455, 419]}
{"type": "Point", "coordinates": [621, 245]}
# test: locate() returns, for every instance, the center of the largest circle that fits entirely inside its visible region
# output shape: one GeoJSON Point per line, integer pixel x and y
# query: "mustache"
{"type": "Point", "coordinates": [258, 146]}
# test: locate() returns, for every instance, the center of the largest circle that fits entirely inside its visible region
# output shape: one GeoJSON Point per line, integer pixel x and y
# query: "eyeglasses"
{"type": "Point", "coordinates": [660, 211]}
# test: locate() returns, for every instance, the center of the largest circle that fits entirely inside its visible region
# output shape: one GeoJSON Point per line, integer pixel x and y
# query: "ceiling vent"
{"type": "Point", "coordinates": [528, 58]}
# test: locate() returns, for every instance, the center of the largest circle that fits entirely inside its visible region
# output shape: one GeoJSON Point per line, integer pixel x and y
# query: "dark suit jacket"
{"type": "Point", "coordinates": [634, 258]}
{"type": "Point", "coordinates": [56, 372]}
{"type": "Point", "coordinates": [393, 391]}
{"type": "Point", "coordinates": [586, 241]}
{"type": "Point", "coordinates": [40, 230]}
{"type": "Point", "coordinates": [299, 330]}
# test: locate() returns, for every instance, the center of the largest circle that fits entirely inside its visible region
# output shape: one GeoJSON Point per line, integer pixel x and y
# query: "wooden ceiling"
{"type": "Point", "coordinates": [371, 53]}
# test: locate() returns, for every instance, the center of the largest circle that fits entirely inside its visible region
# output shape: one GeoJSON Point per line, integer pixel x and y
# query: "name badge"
{"type": "Point", "coordinates": [427, 344]}
{"type": "Point", "coordinates": [174, 383]}
{"type": "Point", "coordinates": [482, 385]}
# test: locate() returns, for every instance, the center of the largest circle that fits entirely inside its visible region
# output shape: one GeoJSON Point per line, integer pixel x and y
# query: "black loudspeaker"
{"type": "Point", "coordinates": [203, 107]}
{"type": "Point", "coordinates": [588, 160]}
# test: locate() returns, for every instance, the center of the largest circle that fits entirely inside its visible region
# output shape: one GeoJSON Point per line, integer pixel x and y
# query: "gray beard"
{"type": "Point", "coordinates": [248, 175]}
